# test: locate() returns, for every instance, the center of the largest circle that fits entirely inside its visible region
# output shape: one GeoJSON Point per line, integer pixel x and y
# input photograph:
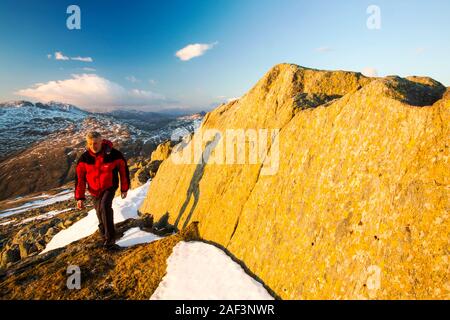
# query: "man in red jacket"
{"type": "Point", "coordinates": [100, 167]}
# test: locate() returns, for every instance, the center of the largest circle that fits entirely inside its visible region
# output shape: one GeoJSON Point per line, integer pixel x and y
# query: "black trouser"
{"type": "Point", "coordinates": [105, 214]}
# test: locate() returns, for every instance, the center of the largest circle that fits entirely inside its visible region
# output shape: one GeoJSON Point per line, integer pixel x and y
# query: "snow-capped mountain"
{"type": "Point", "coordinates": [39, 143]}
{"type": "Point", "coordinates": [16, 104]}
{"type": "Point", "coordinates": [23, 123]}
{"type": "Point", "coordinates": [51, 105]}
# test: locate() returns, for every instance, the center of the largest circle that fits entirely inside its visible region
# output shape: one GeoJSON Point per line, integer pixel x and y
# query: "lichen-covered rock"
{"type": "Point", "coordinates": [144, 170]}
{"type": "Point", "coordinates": [30, 232]}
{"type": "Point", "coordinates": [10, 255]}
{"type": "Point", "coordinates": [359, 204]}
{"type": "Point", "coordinates": [163, 151]}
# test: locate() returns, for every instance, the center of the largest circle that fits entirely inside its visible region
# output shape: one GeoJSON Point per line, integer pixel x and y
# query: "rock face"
{"type": "Point", "coordinates": [143, 170]}
{"type": "Point", "coordinates": [163, 151]}
{"type": "Point", "coordinates": [358, 204]}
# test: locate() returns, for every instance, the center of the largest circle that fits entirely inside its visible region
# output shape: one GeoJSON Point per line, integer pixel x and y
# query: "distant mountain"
{"type": "Point", "coordinates": [16, 104]}
{"type": "Point", "coordinates": [138, 114]}
{"type": "Point", "coordinates": [23, 123]}
{"type": "Point", "coordinates": [180, 112]}
{"type": "Point", "coordinates": [39, 142]}
{"type": "Point", "coordinates": [52, 105]}
{"type": "Point", "coordinates": [197, 115]}
{"type": "Point", "coordinates": [144, 120]}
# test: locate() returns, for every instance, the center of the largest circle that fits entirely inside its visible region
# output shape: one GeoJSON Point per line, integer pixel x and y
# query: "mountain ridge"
{"type": "Point", "coordinates": [40, 143]}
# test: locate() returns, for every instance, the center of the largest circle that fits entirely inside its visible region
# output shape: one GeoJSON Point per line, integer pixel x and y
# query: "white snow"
{"type": "Point", "coordinates": [197, 270]}
{"type": "Point", "coordinates": [123, 209]}
{"type": "Point", "coordinates": [6, 222]}
{"type": "Point", "coordinates": [135, 236]}
{"type": "Point", "coordinates": [44, 216]}
{"type": "Point", "coordinates": [62, 196]}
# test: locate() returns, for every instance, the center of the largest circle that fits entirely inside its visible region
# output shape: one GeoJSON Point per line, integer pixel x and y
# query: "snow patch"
{"type": "Point", "coordinates": [62, 196]}
{"type": "Point", "coordinates": [44, 216]}
{"type": "Point", "coordinates": [123, 209]}
{"type": "Point", "coordinates": [135, 236]}
{"type": "Point", "coordinates": [6, 222]}
{"type": "Point", "coordinates": [197, 270]}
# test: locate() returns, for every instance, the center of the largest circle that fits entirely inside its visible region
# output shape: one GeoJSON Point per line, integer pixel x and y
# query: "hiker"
{"type": "Point", "coordinates": [100, 167]}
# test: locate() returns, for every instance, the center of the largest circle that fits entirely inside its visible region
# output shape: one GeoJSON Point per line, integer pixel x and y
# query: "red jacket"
{"type": "Point", "coordinates": [101, 171]}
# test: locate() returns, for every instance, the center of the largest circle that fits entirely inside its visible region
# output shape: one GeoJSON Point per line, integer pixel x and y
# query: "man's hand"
{"type": "Point", "coordinates": [80, 204]}
{"type": "Point", "coordinates": [123, 195]}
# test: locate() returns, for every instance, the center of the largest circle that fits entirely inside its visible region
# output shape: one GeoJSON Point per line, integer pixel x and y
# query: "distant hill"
{"type": "Point", "coordinates": [39, 142]}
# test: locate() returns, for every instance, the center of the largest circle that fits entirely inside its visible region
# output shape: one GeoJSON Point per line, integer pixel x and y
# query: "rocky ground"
{"type": "Point", "coordinates": [26, 234]}
{"type": "Point", "coordinates": [129, 273]}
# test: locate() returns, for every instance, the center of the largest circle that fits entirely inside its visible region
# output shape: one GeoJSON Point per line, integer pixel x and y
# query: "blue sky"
{"type": "Point", "coordinates": [133, 44]}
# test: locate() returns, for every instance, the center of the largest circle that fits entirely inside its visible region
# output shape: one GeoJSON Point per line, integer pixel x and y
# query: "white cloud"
{"type": "Point", "coordinates": [420, 50]}
{"type": "Point", "coordinates": [369, 72]}
{"type": "Point", "coordinates": [84, 59]}
{"type": "Point", "coordinates": [144, 95]}
{"type": "Point", "coordinates": [59, 56]}
{"type": "Point", "coordinates": [152, 81]}
{"type": "Point", "coordinates": [194, 50]}
{"type": "Point", "coordinates": [132, 79]}
{"type": "Point", "coordinates": [89, 69]}
{"type": "Point", "coordinates": [92, 91]}
{"type": "Point", "coordinates": [323, 49]}
{"type": "Point", "coordinates": [49, 56]}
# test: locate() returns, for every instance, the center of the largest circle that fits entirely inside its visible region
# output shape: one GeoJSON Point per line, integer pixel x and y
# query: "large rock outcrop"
{"type": "Point", "coordinates": [144, 169]}
{"type": "Point", "coordinates": [358, 204]}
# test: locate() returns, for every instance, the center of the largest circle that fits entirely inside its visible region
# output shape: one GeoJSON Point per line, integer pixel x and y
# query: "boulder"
{"type": "Point", "coordinates": [351, 200]}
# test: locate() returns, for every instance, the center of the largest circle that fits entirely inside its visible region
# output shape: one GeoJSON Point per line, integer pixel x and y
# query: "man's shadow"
{"type": "Point", "coordinates": [193, 189]}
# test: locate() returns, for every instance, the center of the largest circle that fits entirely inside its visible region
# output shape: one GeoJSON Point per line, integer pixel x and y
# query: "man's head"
{"type": "Point", "coordinates": [94, 141]}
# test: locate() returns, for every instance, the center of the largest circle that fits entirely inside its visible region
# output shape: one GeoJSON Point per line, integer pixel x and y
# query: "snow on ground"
{"type": "Point", "coordinates": [135, 236]}
{"type": "Point", "coordinates": [44, 216]}
{"type": "Point", "coordinates": [123, 209]}
{"type": "Point", "coordinates": [6, 222]}
{"type": "Point", "coordinates": [197, 270]}
{"type": "Point", "coordinates": [62, 196]}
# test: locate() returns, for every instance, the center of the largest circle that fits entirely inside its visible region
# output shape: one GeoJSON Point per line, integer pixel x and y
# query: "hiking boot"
{"type": "Point", "coordinates": [110, 246]}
